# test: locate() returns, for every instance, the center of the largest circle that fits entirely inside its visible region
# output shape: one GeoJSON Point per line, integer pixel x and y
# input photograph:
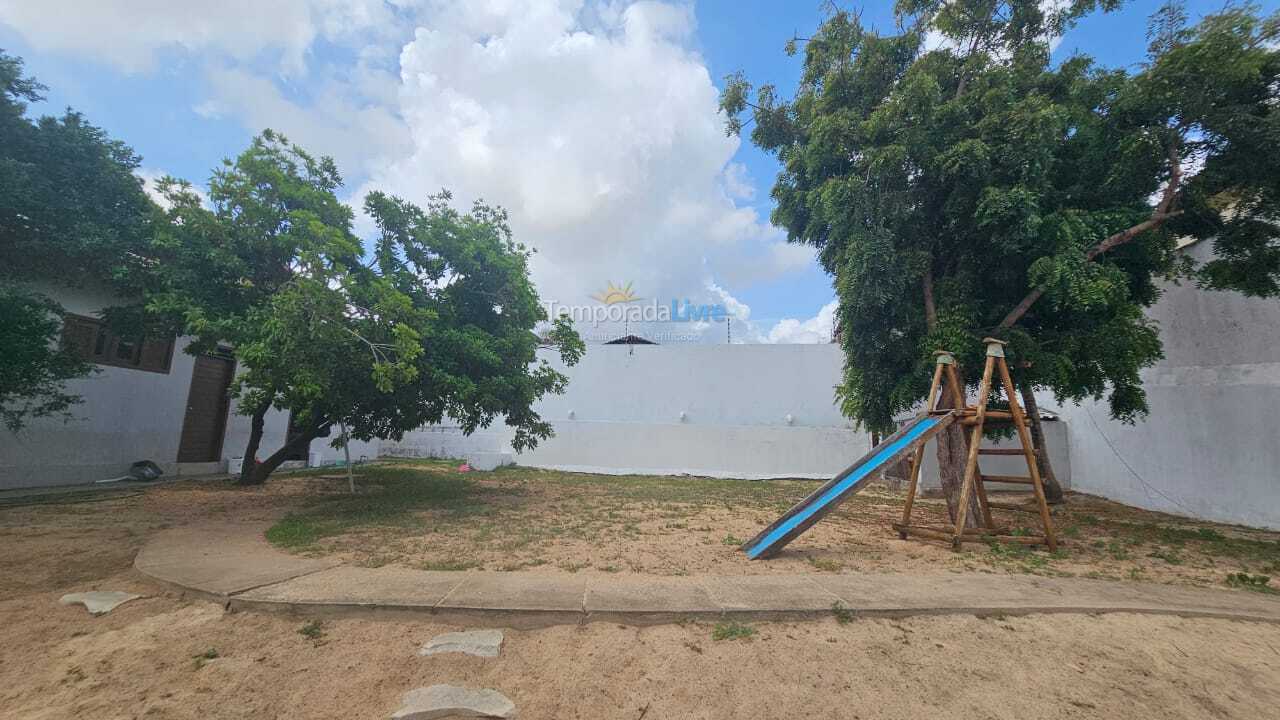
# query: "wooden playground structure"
{"type": "Point", "coordinates": [912, 438]}
{"type": "Point", "coordinates": [976, 416]}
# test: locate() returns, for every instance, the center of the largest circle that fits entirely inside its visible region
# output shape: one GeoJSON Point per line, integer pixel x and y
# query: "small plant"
{"type": "Point", "coordinates": [826, 564]}
{"type": "Point", "coordinates": [843, 614]}
{"type": "Point", "coordinates": [200, 659]}
{"type": "Point", "coordinates": [1117, 551]}
{"type": "Point", "coordinates": [1256, 583]}
{"type": "Point", "coordinates": [1209, 535]}
{"type": "Point", "coordinates": [313, 631]}
{"type": "Point", "coordinates": [729, 539]}
{"type": "Point", "coordinates": [732, 631]}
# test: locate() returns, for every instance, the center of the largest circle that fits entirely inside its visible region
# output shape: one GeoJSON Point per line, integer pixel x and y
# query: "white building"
{"type": "Point", "coordinates": [148, 400]}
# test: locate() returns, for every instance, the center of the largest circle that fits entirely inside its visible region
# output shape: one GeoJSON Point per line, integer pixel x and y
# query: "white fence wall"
{"type": "Point", "coordinates": [1211, 446]}
{"type": "Point", "coordinates": [623, 410]}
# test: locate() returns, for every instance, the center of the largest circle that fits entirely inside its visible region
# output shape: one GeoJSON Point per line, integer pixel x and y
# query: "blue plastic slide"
{"type": "Point", "coordinates": [851, 480]}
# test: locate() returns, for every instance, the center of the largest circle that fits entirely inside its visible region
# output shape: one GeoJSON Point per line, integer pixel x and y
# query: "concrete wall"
{"type": "Point", "coordinates": [127, 415]}
{"type": "Point", "coordinates": [622, 414]}
{"type": "Point", "coordinates": [1211, 446]}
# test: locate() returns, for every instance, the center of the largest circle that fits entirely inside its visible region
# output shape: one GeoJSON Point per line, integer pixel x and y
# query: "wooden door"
{"type": "Point", "coordinates": [207, 403]}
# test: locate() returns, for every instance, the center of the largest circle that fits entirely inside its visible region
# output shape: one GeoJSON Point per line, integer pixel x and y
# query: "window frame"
{"type": "Point", "coordinates": [110, 344]}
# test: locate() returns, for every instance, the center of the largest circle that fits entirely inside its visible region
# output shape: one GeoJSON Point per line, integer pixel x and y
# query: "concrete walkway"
{"type": "Point", "coordinates": [235, 564]}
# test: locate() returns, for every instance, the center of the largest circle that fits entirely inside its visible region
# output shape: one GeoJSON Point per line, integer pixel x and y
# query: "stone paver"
{"type": "Point", "coordinates": [481, 643]}
{"type": "Point", "coordinates": [99, 602]}
{"type": "Point", "coordinates": [440, 701]}
{"type": "Point", "coordinates": [233, 560]}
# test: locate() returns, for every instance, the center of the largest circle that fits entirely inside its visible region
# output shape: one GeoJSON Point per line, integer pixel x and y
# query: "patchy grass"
{"type": "Point", "coordinates": [426, 514]}
{"type": "Point", "coordinates": [313, 630]}
{"type": "Point", "coordinates": [1256, 583]}
{"type": "Point", "coordinates": [826, 564]}
{"type": "Point", "coordinates": [200, 659]}
{"type": "Point", "coordinates": [732, 631]}
{"type": "Point", "coordinates": [841, 612]}
{"type": "Point", "coordinates": [391, 499]}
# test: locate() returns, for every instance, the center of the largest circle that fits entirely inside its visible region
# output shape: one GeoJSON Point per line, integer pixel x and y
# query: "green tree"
{"type": "Point", "coordinates": [439, 321]}
{"type": "Point", "coordinates": [969, 186]}
{"type": "Point", "coordinates": [71, 212]}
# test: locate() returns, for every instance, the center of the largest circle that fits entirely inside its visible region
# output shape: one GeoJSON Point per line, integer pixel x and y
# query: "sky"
{"type": "Point", "coordinates": [594, 123]}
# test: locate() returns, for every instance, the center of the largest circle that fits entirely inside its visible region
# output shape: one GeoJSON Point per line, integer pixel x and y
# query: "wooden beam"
{"type": "Point", "coordinates": [982, 536]}
{"type": "Point", "coordinates": [1017, 479]}
{"type": "Point", "coordinates": [1000, 451]}
{"type": "Point", "coordinates": [1014, 507]}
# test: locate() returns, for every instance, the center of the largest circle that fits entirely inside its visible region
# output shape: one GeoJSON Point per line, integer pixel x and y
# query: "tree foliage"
{"type": "Point", "coordinates": [958, 183]}
{"type": "Point", "coordinates": [438, 321]}
{"type": "Point", "coordinates": [71, 213]}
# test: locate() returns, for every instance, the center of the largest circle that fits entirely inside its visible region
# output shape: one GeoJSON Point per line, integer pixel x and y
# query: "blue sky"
{"type": "Point", "coordinates": [613, 176]}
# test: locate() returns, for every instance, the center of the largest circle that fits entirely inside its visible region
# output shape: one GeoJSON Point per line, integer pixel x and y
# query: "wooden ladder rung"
{"type": "Point", "coordinates": [1021, 539]}
{"type": "Point", "coordinates": [1013, 507]}
{"type": "Point", "coordinates": [991, 414]}
{"type": "Point", "coordinates": [950, 530]}
{"type": "Point", "coordinates": [1018, 479]}
{"type": "Point", "coordinates": [1000, 451]}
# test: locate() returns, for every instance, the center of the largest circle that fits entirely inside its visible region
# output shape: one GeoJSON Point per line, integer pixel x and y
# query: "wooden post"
{"type": "Point", "coordinates": [944, 359]}
{"type": "Point", "coordinates": [994, 350]}
{"type": "Point", "coordinates": [1028, 452]}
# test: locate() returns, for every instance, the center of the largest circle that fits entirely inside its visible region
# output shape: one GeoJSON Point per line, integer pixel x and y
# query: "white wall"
{"type": "Point", "coordinates": [1211, 446]}
{"type": "Point", "coordinates": [274, 432]}
{"type": "Point", "coordinates": [621, 414]}
{"type": "Point", "coordinates": [127, 415]}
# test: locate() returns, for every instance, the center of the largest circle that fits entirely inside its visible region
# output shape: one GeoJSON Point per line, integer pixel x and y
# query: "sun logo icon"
{"type": "Point", "coordinates": [614, 294]}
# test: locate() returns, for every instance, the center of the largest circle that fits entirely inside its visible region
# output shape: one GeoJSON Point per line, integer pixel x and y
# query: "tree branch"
{"type": "Point", "coordinates": [1162, 212]}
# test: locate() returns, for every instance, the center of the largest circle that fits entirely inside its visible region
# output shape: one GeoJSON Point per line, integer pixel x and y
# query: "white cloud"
{"type": "Point", "coordinates": [598, 129]}
{"type": "Point", "coordinates": [817, 329]}
{"type": "Point", "coordinates": [594, 123]}
{"type": "Point", "coordinates": [131, 35]}
{"type": "Point", "coordinates": [340, 119]}
{"type": "Point", "coordinates": [737, 182]}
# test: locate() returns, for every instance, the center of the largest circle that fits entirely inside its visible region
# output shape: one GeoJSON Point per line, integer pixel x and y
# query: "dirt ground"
{"type": "Point", "coordinates": [167, 656]}
{"type": "Point", "coordinates": [540, 520]}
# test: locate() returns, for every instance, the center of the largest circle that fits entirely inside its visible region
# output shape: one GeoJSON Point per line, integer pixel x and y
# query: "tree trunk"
{"type": "Point", "coordinates": [953, 453]}
{"type": "Point", "coordinates": [266, 467]}
{"type": "Point", "coordinates": [346, 454]}
{"type": "Point", "coordinates": [1052, 488]}
{"type": "Point", "coordinates": [256, 423]}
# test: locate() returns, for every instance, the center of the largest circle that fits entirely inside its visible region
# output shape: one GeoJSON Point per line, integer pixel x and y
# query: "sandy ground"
{"type": "Point", "coordinates": [141, 661]}
{"type": "Point", "coordinates": [144, 659]}
{"type": "Point", "coordinates": [536, 520]}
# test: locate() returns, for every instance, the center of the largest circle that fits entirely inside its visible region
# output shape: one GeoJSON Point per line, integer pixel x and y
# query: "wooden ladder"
{"type": "Point", "coordinates": [947, 379]}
